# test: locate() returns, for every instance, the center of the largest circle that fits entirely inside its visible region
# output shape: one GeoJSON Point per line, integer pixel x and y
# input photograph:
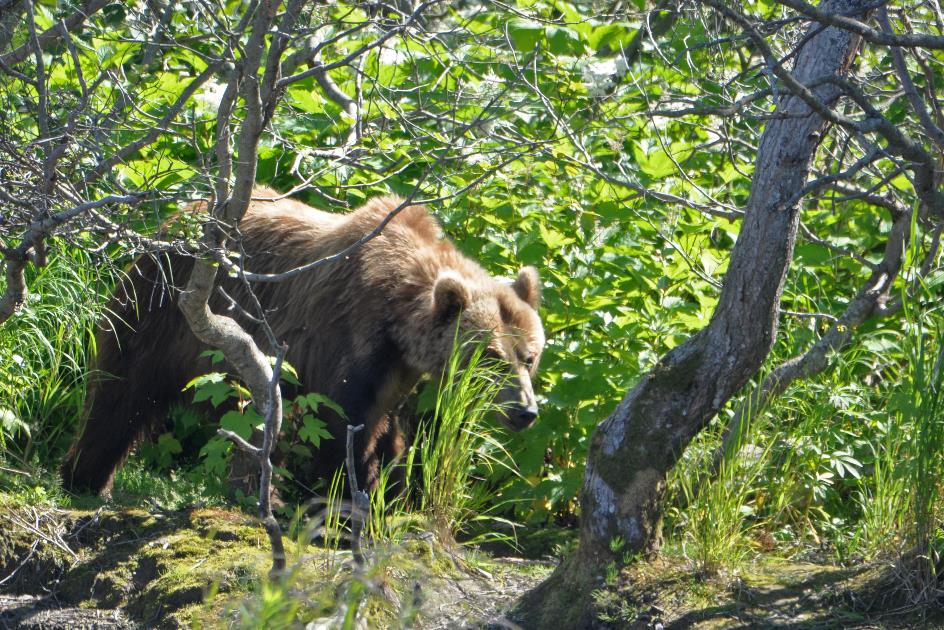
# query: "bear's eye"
{"type": "Point", "coordinates": [529, 362]}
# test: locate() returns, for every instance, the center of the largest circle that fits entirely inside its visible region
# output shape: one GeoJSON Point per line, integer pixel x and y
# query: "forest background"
{"type": "Point", "coordinates": [610, 145]}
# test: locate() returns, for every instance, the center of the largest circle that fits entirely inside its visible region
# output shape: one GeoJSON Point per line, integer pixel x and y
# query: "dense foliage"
{"type": "Point", "coordinates": [613, 157]}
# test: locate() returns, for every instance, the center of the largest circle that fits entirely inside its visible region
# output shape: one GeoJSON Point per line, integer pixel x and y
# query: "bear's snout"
{"type": "Point", "coordinates": [527, 416]}
{"type": "Point", "coordinates": [518, 417]}
{"type": "Point", "coordinates": [519, 409]}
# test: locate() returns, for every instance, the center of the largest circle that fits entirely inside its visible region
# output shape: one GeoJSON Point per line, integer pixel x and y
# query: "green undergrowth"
{"type": "Point", "coordinates": [154, 565]}
{"type": "Point", "coordinates": [165, 551]}
{"type": "Point", "coordinates": [45, 351]}
{"type": "Point", "coordinates": [135, 486]}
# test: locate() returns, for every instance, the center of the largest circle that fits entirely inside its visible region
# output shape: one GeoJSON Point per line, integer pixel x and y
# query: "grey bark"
{"type": "Point", "coordinates": [72, 23]}
{"type": "Point", "coordinates": [219, 331]}
{"type": "Point", "coordinates": [632, 450]}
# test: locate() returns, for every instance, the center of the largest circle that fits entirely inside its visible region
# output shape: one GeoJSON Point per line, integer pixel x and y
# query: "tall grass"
{"type": "Point", "coordinates": [439, 485]}
{"type": "Point", "coordinates": [45, 350]}
{"type": "Point", "coordinates": [903, 501]}
{"type": "Point", "coordinates": [442, 491]}
{"type": "Point", "coordinates": [925, 469]}
{"type": "Point", "coordinates": [719, 513]}
{"type": "Point", "coordinates": [882, 498]}
{"type": "Point", "coordinates": [457, 444]}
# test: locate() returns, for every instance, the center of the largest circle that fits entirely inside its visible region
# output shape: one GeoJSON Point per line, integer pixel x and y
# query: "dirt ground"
{"type": "Point", "coordinates": [34, 612]}
{"type": "Point", "coordinates": [768, 593]}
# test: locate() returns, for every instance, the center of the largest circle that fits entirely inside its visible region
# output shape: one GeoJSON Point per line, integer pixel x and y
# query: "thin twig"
{"type": "Point", "coordinates": [360, 501]}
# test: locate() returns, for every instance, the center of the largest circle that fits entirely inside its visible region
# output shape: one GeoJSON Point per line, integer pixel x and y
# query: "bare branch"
{"type": "Point", "coordinates": [153, 132]}
{"type": "Point", "coordinates": [865, 31]}
{"type": "Point", "coordinates": [16, 258]}
{"type": "Point", "coordinates": [358, 52]}
{"type": "Point", "coordinates": [898, 143]}
{"type": "Point", "coordinates": [917, 104]}
{"type": "Point", "coordinates": [72, 23]}
{"type": "Point", "coordinates": [360, 501]}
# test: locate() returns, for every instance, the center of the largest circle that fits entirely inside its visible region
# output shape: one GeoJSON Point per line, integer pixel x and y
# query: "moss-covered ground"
{"type": "Point", "coordinates": [768, 592]}
{"type": "Point", "coordinates": [137, 564]}
{"type": "Point", "coordinates": [207, 567]}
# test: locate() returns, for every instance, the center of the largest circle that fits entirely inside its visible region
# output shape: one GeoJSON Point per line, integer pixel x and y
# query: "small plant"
{"type": "Point", "coordinates": [390, 518]}
{"type": "Point", "coordinates": [328, 524]}
{"type": "Point", "coordinates": [303, 430]}
{"type": "Point", "coordinates": [456, 442]}
{"type": "Point", "coordinates": [275, 608]}
{"type": "Point", "coordinates": [10, 427]}
{"type": "Point", "coordinates": [718, 513]}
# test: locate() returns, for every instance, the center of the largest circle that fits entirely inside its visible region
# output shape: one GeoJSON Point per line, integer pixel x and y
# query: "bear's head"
{"type": "Point", "coordinates": [507, 314]}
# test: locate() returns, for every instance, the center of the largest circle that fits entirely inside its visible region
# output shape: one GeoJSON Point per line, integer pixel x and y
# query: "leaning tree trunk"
{"type": "Point", "coordinates": [632, 450]}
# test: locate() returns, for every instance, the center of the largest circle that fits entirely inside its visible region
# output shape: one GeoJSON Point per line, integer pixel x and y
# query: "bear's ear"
{"type": "Point", "coordinates": [450, 294]}
{"type": "Point", "coordinates": [528, 286]}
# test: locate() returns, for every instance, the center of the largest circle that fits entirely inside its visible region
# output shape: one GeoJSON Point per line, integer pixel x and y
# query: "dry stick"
{"type": "Point", "coordinates": [72, 23]}
{"type": "Point", "coordinates": [360, 502]}
{"type": "Point", "coordinates": [273, 424]}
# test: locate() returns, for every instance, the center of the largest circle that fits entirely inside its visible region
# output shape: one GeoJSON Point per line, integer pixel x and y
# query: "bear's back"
{"type": "Point", "coordinates": [297, 233]}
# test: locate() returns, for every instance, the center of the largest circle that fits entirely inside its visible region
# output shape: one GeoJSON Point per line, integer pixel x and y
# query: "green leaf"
{"type": "Point", "coordinates": [611, 36]}
{"type": "Point", "coordinates": [313, 430]}
{"type": "Point", "coordinates": [215, 454]}
{"type": "Point", "coordinates": [239, 423]}
{"type": "Point", "coordinates": [308, 101]}
{"type": "Point", "coordinates": [10, 424]}
{"type": "Point", "coordinates": [169, 444]}
{"type": "Point", "coordinates": [552, 238]}
{"type": "Point", "coordinates": [564, 41]}
{"type": "Point", "coordinates": [216, 356]}
{"type": "Point", "coordinates": [655, 163]}
{"type": "Point", "coordinates": [313, 400]}
{"type": "Point", "coordinates": [289, 373]}
{"type": "Point", "coordinates": [525, 34]}
{"type": "Point", "coordinates": [212, 387]}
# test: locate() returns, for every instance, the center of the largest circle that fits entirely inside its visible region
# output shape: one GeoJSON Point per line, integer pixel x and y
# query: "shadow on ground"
{"type": "Point", "coordinates": [148, 566]}
{"type": "Point", "coordinates": [119, 568]}
{"type": "Point", "coordinates": [768, 594]}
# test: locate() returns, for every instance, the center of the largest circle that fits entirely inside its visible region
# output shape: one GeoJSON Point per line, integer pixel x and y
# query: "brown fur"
{"type": "Point", "coordinates": [360, 330]}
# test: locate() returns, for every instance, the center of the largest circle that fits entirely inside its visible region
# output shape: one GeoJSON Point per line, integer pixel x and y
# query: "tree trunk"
{"type": "Point", "coordinates": [633, 449]}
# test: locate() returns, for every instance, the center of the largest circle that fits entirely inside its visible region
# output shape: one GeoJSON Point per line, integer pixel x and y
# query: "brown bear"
{"type": "Point", "coordinates": [361, 330]}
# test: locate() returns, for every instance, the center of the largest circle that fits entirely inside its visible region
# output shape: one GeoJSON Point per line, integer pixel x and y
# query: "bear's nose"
{"type": "Point", "coordinates": [528, 414]}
